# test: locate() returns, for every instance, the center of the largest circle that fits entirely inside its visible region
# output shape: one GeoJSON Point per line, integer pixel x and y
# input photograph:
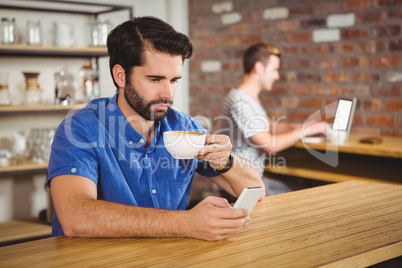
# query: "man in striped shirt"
{"type": "Point", "coordinates": [253, 135]}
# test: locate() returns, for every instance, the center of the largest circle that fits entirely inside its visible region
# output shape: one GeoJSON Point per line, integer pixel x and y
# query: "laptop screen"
{"type": "Point", "coordinates": [343, 114]}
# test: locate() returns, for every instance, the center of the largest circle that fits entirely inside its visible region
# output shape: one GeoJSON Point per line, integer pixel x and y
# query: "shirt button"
{"type": "Point", "coordinates": [130, 142]}
{"type": "Point", "coordinates": [142, 140]}
{"type": "Point", "coordinates": [73, 170]}
{"type": "Point", "coordinates": [153, 191]}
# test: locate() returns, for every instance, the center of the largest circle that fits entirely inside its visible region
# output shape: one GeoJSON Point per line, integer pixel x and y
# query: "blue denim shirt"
{"type": "Point", "coordinates": [98, 143]}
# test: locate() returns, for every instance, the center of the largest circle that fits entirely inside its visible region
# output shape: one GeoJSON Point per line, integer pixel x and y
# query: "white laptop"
{"type": "Point", "coordinates": [343, 119]}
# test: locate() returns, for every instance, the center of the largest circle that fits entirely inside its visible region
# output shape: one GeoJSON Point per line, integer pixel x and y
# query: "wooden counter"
{"type": "Point", "coordinates": [351, 161]}
{"type": "Point", "coordinates": [349, 224]}
{"type": "Point", "coordinates": [23, 230]}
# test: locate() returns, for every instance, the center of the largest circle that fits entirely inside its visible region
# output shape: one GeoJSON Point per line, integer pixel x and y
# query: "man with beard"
{"type": "Point", "coordinates": [107, 171]}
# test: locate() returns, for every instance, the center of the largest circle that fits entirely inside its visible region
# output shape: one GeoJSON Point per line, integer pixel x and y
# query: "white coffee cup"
{"type": "Point", "coordinates": [338, 137]}
{"type": "Point", "coordinates": [183, 144]}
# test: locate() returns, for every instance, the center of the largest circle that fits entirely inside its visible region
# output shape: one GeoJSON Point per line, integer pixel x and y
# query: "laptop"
{"type": "Point", "coordinates": [344, 113]}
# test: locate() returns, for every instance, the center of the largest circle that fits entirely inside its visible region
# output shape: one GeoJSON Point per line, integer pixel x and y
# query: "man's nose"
{"type": "Point", "coordinates": [167, 91]}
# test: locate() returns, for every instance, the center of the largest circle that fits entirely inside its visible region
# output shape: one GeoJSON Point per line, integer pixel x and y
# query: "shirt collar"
{"type": "Point", "coordinates": [121, 130]}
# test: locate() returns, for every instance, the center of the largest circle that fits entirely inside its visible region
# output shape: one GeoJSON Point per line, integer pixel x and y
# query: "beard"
{"type": "Point", "coordinates": [144, 107]}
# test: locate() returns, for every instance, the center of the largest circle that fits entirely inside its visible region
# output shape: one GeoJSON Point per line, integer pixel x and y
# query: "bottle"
{"type": "Point", "coordinates": [87, 81]}
{"type": "Point", "coordinates": [8, 31]}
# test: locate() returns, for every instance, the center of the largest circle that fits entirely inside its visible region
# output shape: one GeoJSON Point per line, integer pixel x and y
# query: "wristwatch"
{"type": "Point", "coordinates": [228, 164]}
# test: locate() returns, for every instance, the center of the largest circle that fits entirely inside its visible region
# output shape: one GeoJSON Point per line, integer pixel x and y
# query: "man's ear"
{"type": "Point", "coordinates": [259, 67]}
{"type": "Point", "coordinates": [119, 75]}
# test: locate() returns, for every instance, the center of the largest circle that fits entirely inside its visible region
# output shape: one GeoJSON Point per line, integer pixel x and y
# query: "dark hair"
{"type": "Point", "coordinates": [126, 42]}
{"type": "Point", "coordinates": [258, 52]}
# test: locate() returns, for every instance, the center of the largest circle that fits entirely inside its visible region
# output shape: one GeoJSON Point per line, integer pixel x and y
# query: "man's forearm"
{"type": "Point", "coordinates": [97, 218]}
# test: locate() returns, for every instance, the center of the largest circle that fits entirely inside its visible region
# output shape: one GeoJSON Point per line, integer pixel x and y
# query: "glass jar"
{"type": "Point", "coordinates": [33, 33]}
{"type": "Point", "coordinates": [64, 88]}
{"type": "Point", "coordinates": [5, 98]}
{"type": "Point", "coordinates": [8, 31]}
{"type": "Point", "coordinates": [32, 90]}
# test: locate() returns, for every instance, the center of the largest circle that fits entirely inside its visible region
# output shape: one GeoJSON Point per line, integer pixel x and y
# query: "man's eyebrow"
{"type": "Point", "coordinates": [162, 77]}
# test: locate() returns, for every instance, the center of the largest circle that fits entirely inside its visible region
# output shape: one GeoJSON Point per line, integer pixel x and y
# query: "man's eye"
{"type": "Point", "coordinates": [175, 81]}
{"type": "Point", "coordinates": [155, 79]}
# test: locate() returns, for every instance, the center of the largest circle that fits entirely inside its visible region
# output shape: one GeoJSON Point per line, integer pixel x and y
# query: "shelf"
{"type": "Point", "coordinates": [28, 167]}
{"type": "Point", "coordinates": [63, 6]}
{"type": "Point", "coordinates": [37, 51]}
{"type": "Point", "coordinates": [42, 109]}
{"type": "Point", "coordinates": [12, 232]}
{"type": "Point", "coordinates": [322, 175]}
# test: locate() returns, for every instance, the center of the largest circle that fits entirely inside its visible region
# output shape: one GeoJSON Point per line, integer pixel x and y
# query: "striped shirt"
{"type": "Point", "coordinates": [244, 117]}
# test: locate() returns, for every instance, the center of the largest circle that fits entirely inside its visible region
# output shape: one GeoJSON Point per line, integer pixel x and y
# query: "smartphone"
{"type": "Point", "coordinates": [249, 198]}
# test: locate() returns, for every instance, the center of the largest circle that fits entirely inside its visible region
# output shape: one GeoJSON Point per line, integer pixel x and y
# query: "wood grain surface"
{"type": "Point", "coordinates": [348, 224]}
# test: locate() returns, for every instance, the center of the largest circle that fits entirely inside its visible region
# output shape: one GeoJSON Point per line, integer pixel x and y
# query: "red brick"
{"type": "Point", "coordinates": [289, 77]}
{"type": "Point", "coordinates": [367, 77]}
{"type": "Point", "coordinates": [302, 10]}
{"type": "Point", "coordinates": [289, 50]}
{"type": "Point", "coordinates": [289, 102]}
{"type": "Point", "coordinates": [279, 90]}
{"type": "Point", "coordinates": [267, 101]}
{"type": "Point", "coordinates": [356, 4]}
{"type": "Point", "coordinates": [387, 31]}
{"type": "Point", "coordinates": [327, 90]}
{"type": "Point", "coordinates": [299, 64]}
{"type": "Point", "coordinates": [309, 77]}
{"type": "Point", "coordinates": [264, 27]}
{"type": "Point", "coordinates": [210, 43]}
{"type": "Point", "coordinates": [315, 49]}
{"type": "Point", "coordinates": [380, 120]}
{"type": "Point", "coordinates": [354, 34]}
{"type": "Point", "coordinates": [230, 41]}
{"type": "Point", "coordinates": [357, 119]}
{"type": "Point", "coordinates": [395, 14]}
{"type": "Point", "coordinates": [287, 25]}
{"type": "Point", "coordinates": [213, 89]}
{"type": "Point", "coordinates": [314, 22]}
{"type": "Point", "coordinates": [369, 17]}
{"type": "Point", "coordinates": [341, 48]}
{"type": "Point", "coordinates": [372, 47]}
{"type": "Point", "coordinates": [366, 131]}
{"type": "Point", "coordinates": [337, 77]}
{"type": "Point", "coordinates": [311, 103]}
{"type": "Point", "coordinates": [240, 29]}
{"type": "Point", "coordinates": [391, 132]}
{"type": "Point", "coordinates": [301, 90]}
{"type": "Point", "coordinates": [297, 116]}
{"type": "Point", "coordinates": [370, 105]}
{"type": "Point", "coordinates": [393, 105]}
{"type": "Point", "coordinates": [361, 62]}
{"type": "Point", "coordinates": [395, 45]}
{"type": "Point", "coordinates": [249, 40]}
{"type": "Point", "coordinates": [252, 16]}
{"type": "Point", "coordinates": [327, 8]}
{"type": "Point", "coordinates": [387, 3]}
{"type": "Point", "coordinates": [300, 37]}
{"type": "Point", "coordinates": [327, 63]}
{"type": "Point", "coordinates": [232, 65]}
{"type": "Point", "coordinates": [384, 61]}
{"type": "Point", "coordinates": [356, 90]}
{"type": "Point", "coordinates": [394, 91]}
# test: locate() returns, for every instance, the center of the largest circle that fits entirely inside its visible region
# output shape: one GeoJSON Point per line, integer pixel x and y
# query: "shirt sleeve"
{"type": "Point", "coordinates": [74, 149]}
{"type": "Point", "coordinates": [248, 121]}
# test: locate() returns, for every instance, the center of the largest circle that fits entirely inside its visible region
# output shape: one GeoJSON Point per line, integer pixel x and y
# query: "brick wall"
{"type": "Point", "coordinates": [331, 49]}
